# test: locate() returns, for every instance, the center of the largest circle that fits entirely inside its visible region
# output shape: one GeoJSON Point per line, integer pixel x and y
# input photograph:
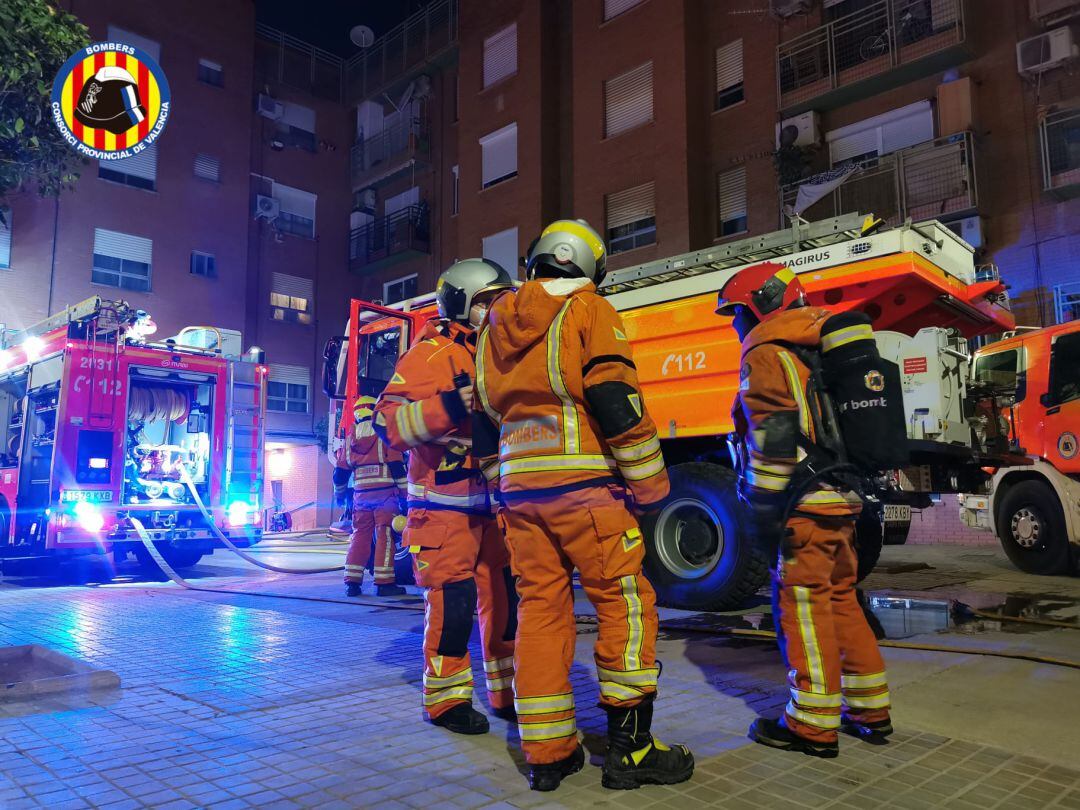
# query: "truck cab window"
{"type": "Point", "coordinates": [1065, 369]}
{"type": "Point", "coordinates": [999, 369]}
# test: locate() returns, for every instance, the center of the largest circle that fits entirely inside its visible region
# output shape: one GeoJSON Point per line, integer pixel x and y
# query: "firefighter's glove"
{"type": "Point", "coordinates": [765, 527]}
{"type": "Point", "coordinates": [341, 496]}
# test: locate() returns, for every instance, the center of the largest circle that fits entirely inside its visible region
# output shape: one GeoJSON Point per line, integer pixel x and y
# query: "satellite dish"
{"type": "Point", "coordinates": [361, 36]}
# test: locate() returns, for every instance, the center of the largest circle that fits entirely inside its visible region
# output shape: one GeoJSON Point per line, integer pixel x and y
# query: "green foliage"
{"type": "Point", "coordinates": [35, 41]}
{"type": "Point", "coordinates": [322, 433]}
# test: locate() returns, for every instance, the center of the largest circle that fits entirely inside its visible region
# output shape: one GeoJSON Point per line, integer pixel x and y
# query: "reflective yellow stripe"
{"type": "Point", "coordinates": [815, 701]}
{"type": "Point", "coordinates": [786, 275]}
{"type": "Point", "coordinates": [863, 681]}
{"type": "Point", "coordinates": [458, 693]}
{"type": "Point", "coordinates": [558, 384]}
{"type": "Point", "coordinates": [868, 701]}
{"type": "Point", "coordinates": [639, 472]}
{"type": "Point", "coordinates": [401, 418]}
{"type": "Point", "coordinates": [538, 732]}
{"type": "Point", "coordinates": [498, 684]}
{"type": "Point", "coordinates": [416, 411]}
{"type": "Point", "coordinates": [418, 492]}
{"type": "Point", "coordinates": [798, 395]}
{"type": "Point", "coordinates": [825, 721]}
{"type": "Point", "coordinates": [499, 664]}
{"type": "Point", "coordinates": [580, 231]}
{"type": "Point", "coordinates": [457, 679]}
{"type": "Point", "coordinates": [616, 691]}
{"type": "Point", "coordinates": [630, 677]}
{"type": "Point", "coordinates": [841, 337]}
{"type": "Point", "coordinates": [770, 482]}
{"type": "Point", "coordinates": [481, 378]}
{"type": "Point", "coordinates": [636, 452]}
{"type": "Point", "coordinates": [556, 464]}
{"type": "Point", "coordinates": [771, 469]}
{"type": "Point", "coordinates": [545, 704]}
{"type": "Point", "coordinates": [825, 497]}
{"type": "Point", "coordinates": [635, 634]}
{"type": "Point", "coordinates": [808, 634]}
{"type": "Point", "coordinates": [491, 471]}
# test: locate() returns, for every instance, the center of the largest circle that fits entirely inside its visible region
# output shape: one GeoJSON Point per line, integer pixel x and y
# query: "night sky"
{"type": "Point", "coordinates": [326, 23]}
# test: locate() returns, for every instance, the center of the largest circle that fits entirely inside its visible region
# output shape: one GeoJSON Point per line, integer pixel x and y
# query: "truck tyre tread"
{"type": "Point", "coordinates": [1051, 556]}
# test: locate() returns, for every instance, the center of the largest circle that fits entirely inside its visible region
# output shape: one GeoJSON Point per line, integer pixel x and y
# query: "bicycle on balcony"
{"type": "Point", "coordinates": [913, 24]}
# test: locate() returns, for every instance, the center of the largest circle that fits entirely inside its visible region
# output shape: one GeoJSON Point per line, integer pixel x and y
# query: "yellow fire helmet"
{"type": "Point", "coordinates": [567, 248]}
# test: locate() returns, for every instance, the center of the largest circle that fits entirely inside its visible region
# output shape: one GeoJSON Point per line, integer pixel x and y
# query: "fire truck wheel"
{"type": "Point", "coordinates": [698, 556]}
{"type": "Point", "coordinates": [1031, 527]}
{"type": "Point", "coordinates": [176, 557]}
{"type": "Point", "coordinates": [870, 535]}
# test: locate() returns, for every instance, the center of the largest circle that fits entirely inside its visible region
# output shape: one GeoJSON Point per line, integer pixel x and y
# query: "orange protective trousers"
{"type": "Point", "coordinates": [372, 515]}
{"type": "Point", "coordinates": [591, 530]}
{"type": "Point", "coordinates": [461, 561]}
{"type": "Point", "coordinates": [833, 659]}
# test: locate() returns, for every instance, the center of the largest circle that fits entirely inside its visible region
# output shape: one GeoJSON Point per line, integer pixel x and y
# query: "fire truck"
{"type": "Point", "coordinates": [99, 426]}
{"type": "Point", "coordinates": [918, 283]}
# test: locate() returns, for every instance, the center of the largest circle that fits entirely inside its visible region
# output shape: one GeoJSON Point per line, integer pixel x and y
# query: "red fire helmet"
{"type": "Point", "coordinates": [765, 288]}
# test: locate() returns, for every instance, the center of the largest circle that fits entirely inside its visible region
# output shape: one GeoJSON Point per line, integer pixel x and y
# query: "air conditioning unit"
{"type": "Point", "coordinates": [269, 107]}
{"type": "Point", "coordinates": [1052, 12]}
{"type": "Point", "coordinates": [969, 229]}
{"type": "Point", "coordinates": [266, 207]}
{"type": "Point", "coordinates": [789, 8]}
{"type": "Point", "coordinates": [1045, 52]}
{"type": "Point", "coordinates": [807, 126]}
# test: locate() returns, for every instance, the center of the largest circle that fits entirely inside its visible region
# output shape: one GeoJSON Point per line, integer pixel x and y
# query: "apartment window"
{"type": "Point", "coordinates": [613, 8]}
{"type": "Point", "coordinates": [455, 189]}
{"type": "Point", "coordinates": [729, 74]}
{"type": "Point", "coordinates": [203, 264]}
{"type": "Point", "coordinates": [499, 155]}
{"type": "Point", "coordinates": [297, 210]}
{"type": "Point", "coordinates": [628, 100]}
{"type": "Point", "coordinates": [5, 238]}
{"type": "Point", "coordinates": [400, 289]}
{"type": "Point", "coordinates": [630, 218]}
{"type": "Point", "coordinates": [500, 55]}
{"type": "Point", "coordinates": [208, 168]}
{"type": "Point", "coordinates": [1066, 300]}
{"type": "Point", "coordinates": [291, 297]}
{"type": "Point", "coordinates": [211, 73]}
{"type": "Point", "coordinates": [296, 127]}
{"type": "Point", "coordinates": [122, 260]}
{"type": "Point", "coordinates": [399, 202]}
{"type": "Point", "coordinates": [138, 171]}
{"type": "Point", "coordinates": [731, 191]}
{"type": "Point", "coordinates": [502, 248]}
{"type": "Point", "coordinates": [455, 99]}
{"type": "Point", "coordinates": [117, 34]}
{"type": "Point", "coordinates": [288, 388]}
{"type": "Point", "coordinates": [882, 134]}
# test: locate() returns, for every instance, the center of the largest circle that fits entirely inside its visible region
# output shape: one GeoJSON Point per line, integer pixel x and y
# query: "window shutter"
{"type": "Point", "coordinates": [502, 248]}
{"type": "Point", "coordinates": [5, 239]}
{"type": "Point", "coordinates": [401, 201]}
{"type": "Point", "coordinates": [624, 207]}
{"type": "Point", "coordinates": [885, 133]}
{"type": "Point", "coordinates": [499, 153]}
{"type": "Point", "coordinates": [207, 167]}
{"type": "Point", "coordinates": [729, 65]}
{"type": "Point", "coordinates": [907, 131]}
{"type": "Point", "coordinates": [123, 246]}
{"type": "Point", "coordinates": [295, 201]}
{"type": "Point", "coordinates": [294, 286]}
{"type": "Point", "coordinates": [500, 55]}
{"type": "Point", "coordinates": [613, 8]}
{"type": "Point", "coordinates": [290, 375]}
{"type": "Point", "coordinates": [859, 143]}
{"type": "Point", "coordinates": [141, 164]}
{"type": "Point", "coordinates": [117, 34]}
{"type": "Point", "coordinates": [731, 187]}
{"type": "Point", "coordinates": [299, 116]}
{"type": "Point", "coordinates": [628, 100]}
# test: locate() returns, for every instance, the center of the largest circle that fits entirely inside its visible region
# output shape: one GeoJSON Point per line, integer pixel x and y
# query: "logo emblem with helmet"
{"type": "Point", "coordinates": [875, 381]}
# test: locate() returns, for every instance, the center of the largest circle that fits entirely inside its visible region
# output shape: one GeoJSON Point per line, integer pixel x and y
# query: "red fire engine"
{"type": "Point", "coordinates": [98, 426]}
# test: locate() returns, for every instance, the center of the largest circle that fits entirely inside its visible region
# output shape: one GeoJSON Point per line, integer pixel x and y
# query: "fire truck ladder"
{"type": "Point", "coordinates": [799, 237]}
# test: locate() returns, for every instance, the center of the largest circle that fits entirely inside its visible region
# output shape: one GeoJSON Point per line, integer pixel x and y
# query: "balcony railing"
{"type": "Point", "coordinates": [399, 145]}
{"type": "Point", "coordinates": [933, 180]}
{"type": "Point", "coordinates": [822, 67]}
{"type": "Point", "coordinates": [280, 58]}
{"type": "Point", "coordinates": [422, 38]}
{"type": "Point", "coordinates": [388, 240]}
{"type": "Point", "coordinates": [1059, 138]}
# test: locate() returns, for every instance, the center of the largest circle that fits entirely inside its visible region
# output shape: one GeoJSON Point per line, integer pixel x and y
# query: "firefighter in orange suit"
{"type": "Point", "coordinates": [567, 441]}
{"type": "Point", "coordinates": [835, 670]}
{"type": "Point", "coordinates": [458, 553]}
{"type": "Point", "coordinates": [378, 474]}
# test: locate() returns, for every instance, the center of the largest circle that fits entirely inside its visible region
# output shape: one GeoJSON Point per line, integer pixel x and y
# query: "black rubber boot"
{"type": "Point", "coordinates": [506, 713]}
{"type": "Point", "coordinates": [549, 776]}
{"type": "Point", "coordinates": [775, 734]}
{"type": "Point", "coordinates": [635, 758]}
{"type": "Point", "coordinates": [353, 589]}
{"type": "Point", "coordinates": [389, 590]}
{"type": "Point", "coordinates": [462, 719]}
{"type": "Point", "coordinates": [875, 732]}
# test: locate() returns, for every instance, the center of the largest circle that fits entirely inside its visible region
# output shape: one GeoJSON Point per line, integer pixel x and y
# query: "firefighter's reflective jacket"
{"type": "Point", "coordinates": [372, 463]}
{"type": "Point", "coordinates": [561, 404]}
{"type": "Point", "coordinates": [778, 410]}
{"type": "Point", "coordinates": [421, 413]}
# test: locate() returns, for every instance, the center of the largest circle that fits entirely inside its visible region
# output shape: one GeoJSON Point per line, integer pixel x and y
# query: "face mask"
{"type": "Point", "coordinates": [743, 322]}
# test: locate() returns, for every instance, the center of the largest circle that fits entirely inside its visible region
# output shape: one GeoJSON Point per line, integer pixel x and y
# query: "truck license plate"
{"type": "Point", "coordinates": [897, 513]}
{"type": "Point", "coordinates": [89, 495]}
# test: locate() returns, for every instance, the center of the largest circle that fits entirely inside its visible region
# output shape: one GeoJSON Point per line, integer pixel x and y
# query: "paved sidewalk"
{"type": "Point", "coordinates": [239, 701]}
